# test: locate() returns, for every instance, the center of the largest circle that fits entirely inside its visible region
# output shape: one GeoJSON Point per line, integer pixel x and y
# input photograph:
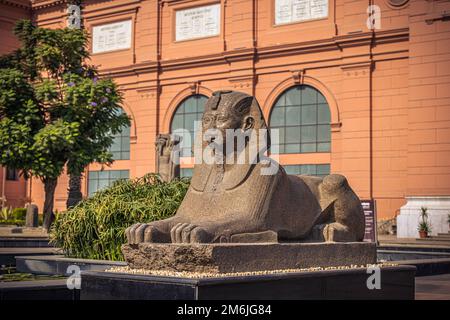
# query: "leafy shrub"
{"type": "Point", "coordinates": [19, 213]}
{"type": "Point", "coordinates": [6, 214]}
{"type": "Point", "coordinates": [12, 222]}
{"type": "Point", "coordinates": [95, 228]}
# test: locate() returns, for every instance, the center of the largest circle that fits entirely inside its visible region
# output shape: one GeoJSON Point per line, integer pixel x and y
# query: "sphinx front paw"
{"type": "Point", "coordinates": [189, 233]}
{"type": "Point", "coordinates": [145, 232]}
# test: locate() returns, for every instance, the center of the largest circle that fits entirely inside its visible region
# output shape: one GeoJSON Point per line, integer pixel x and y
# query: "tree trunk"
{"type": "Point", "coordinates": [49, 187]}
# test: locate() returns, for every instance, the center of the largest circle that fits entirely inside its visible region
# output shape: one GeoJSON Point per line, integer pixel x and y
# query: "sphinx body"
{"type": "Point", "coordinates": [231, 202]}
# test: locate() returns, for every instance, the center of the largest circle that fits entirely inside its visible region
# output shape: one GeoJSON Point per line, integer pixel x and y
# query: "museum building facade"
{"type": "Point", "coordinates": [357, 87]}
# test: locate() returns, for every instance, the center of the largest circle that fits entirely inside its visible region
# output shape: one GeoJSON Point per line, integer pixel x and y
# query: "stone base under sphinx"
{"type": "Point", "coordinates": [396, 282]}
{"type": "Point", "coordinates": [243, 257]}
{"type": "Point", "coordinates": [248, 271]}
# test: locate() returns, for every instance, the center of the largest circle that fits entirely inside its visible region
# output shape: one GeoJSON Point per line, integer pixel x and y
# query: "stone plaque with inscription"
{"type": "Point", "coordinates": [111, 37]}
{"type": "Point", "coordinates": [370, 218]}
{"type": "Point", "coordinates": [288, 11]}
{"type": "Point", "coordinates": [197, 22]}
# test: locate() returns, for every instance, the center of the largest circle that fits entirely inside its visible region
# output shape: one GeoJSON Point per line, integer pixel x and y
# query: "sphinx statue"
{"type": "Point", "coordinates": [240, 202]}
{"type": "Point", "coordinates": [166, 167]}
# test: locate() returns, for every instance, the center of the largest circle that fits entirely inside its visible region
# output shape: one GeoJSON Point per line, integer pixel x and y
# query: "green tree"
{"type": "Point", "coordinates": [55, 112]}
{"type": "Point", "coordinates": [99, 119]}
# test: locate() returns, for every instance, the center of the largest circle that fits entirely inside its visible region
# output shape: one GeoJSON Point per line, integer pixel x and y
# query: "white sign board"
{"type": "Point", "coordinates": [288, 11]}
{"type": "Point", "coordinates": [197, 22]}
{"type": "Point", "coordinates": [111, 37]}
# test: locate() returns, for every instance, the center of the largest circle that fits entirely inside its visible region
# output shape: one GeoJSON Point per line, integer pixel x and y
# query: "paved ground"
{"type": "Point", "coordinates": [7, 255]}
{"type": "Point", "coordinates": [35, 284]}
{"type": "Point", "coordinates": [392, 240]}
{"type": "Point", "coordinates": [28, 251]}
{"type": "Point", "coordinates": [22, 232]}
{"type": "Point", "coordinates": [433, 287]}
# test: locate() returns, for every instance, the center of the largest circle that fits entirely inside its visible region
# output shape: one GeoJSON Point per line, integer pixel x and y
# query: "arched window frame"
{"type": "Point", "coordinates": [186, 111]}
{"type": "Point", "coordinates": [303, 118]}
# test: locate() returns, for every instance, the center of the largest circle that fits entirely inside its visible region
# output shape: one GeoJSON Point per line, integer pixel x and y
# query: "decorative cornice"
{"type": "Point", "coordinates": [148, 92]}
{"type": "Point", "coordinates": [176, 2]}
{"type": "Point", "coordinates": [439, 16]}
{"type": "Point", "coordinates": [131, 70]}
{"type": "Point", "coordinates": [357, 66]}
{"type": "Point", "coordinates": [383, 36]}
{"type": "Point", "coordinates": [24, 4]}
{"type": "Point", "coordinates": [396, 35]}
{"type": "Point", "coordinates": [41, 4]}
{"type": "Point", "coordinates": [131, 6]}
{"type": "Point", "coordinates": [243, 81]}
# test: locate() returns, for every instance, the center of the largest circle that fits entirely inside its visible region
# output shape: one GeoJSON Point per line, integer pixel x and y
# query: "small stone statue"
{"type": "Point", "coordinates": [239, 203]}
{"type": "Point", "coordinates": [165, 166]}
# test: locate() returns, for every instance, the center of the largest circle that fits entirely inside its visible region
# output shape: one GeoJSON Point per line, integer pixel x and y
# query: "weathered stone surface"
{"type": "Point", "coordinates": [227, 201]}
{"type": "Point", "coordinates": [32, 218]}
{"type": "Point", "coordinates": [165, 164]}
{"type": "Point", "coordinates": [231, 257]}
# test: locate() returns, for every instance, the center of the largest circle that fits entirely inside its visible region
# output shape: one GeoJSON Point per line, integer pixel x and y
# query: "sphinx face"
{"type": "Point", "coordinates": [227, 125]}
{"type": "Point", "coordinates": [220, 121]}
{"type": "Point", "coordinates": [216, 124]}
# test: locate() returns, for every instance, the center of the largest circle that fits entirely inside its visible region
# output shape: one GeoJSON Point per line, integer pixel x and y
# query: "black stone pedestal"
{"type": "Point", "coordinates": [396, 283]}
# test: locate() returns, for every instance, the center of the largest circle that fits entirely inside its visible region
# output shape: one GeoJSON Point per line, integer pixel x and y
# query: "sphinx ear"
{"type": "Point", "coordinates": [248, 123]}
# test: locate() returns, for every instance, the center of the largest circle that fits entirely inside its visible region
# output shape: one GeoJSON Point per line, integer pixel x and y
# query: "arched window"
{"type": "Point", "coordinates": [120, 148]}
{"type": "Point", "coordinates": [302, 116]}
{"type": "Point", "coordinates": [187, 113]}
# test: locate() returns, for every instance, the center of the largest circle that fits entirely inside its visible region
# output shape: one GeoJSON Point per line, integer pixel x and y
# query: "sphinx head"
{"type": "Point", "coordinates": [229, 114]}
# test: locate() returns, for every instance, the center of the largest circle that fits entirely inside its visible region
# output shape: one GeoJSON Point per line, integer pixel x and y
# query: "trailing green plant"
{"type": "Point", "coordinates": [95, 228]}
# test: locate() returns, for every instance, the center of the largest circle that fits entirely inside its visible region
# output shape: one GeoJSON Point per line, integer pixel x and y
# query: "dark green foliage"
{"type": "Point", "coordinates": [20, 120]}
{"type": "Point", "coordinates": [19, 213]}
{"type": "Point", "coordinates": [55, 112]}
{"type": "Point", "coordinates": [95, 228]}
{"type": "Point", "coordinates": [12, 222]}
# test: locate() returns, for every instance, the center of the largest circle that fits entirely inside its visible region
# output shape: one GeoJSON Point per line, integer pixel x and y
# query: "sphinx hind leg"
{"type": "Point", "coordinates": [332, 232]}
{"type": "Point", "coordinates": [345, 225]}
{"type": "Point", "coordinates": [337, 232]}
{"type": "Point", "coordinates": [344, 219]}
{"type": "Point", "coordinates": [347, 222]}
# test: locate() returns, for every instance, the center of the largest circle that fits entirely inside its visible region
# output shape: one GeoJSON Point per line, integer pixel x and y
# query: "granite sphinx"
{"type": "Point", "coordinates": [241, 203]}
